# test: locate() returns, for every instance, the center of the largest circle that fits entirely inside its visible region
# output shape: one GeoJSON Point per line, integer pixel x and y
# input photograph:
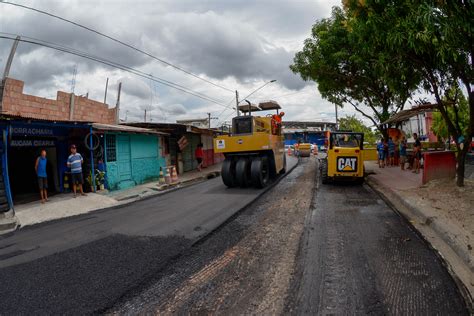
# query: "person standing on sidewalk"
{"type": "Point", "coordinates": [385, 152]}
{"type": "Point", "coordinates": [416, 154]}
{"type": "Point", "coordinates": [391, 151]}
{"type": "Point", "coordinates": [380, 152]}
{"type": "Point", "coordinates": [75, 162]}
{"type": "Point", "coordinates": [40, 167]}
{"type": "Point", "coordinates": [403, 152]}
{"type": "Point", "coordinates": [199, 154]}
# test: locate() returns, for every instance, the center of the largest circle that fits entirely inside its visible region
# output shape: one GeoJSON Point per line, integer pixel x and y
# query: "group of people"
{"type": "Point", "coordinates": [74, 162]}
{"type": "Point", "coordinates": [390, 149]}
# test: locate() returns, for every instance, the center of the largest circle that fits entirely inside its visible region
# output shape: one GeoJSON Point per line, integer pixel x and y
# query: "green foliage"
{"type": "Point", "coordinates": [348, 71]}
{"type": "Point", "coordinates": [435, 38]}
{"type": "Point", "coordinates": [352, 123]}
{"type": "Point", "coordinates": [458, 112]}
{"type": "Point", "coordinates": [99, 177]}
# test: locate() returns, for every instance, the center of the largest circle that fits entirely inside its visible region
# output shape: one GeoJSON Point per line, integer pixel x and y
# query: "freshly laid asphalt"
{"type": "Point", "coordinates": [358, 256]}
{"type": "Point", "coordinates": [86, 263]}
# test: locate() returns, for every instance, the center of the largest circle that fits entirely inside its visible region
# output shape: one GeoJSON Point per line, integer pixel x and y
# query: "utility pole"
{"type": "Point", "coordinates": [209, 118]}
{"type": "Point", "coordinates": [10, 58]}
{"type": "Point", "coordinates": [7, 69]}
{"type": "Point", "coordinates": [237, 102]}
{"type": "Point", "coordinates": [117, 106]}
{"type": "Point", "coordinates": [106, 86]}
{"type": "Point", "coordinates": [73, 81]}
{"type": "Point", "coordinates": [145, 115]}
{"type": "Point", "coordinates": [337, 120]}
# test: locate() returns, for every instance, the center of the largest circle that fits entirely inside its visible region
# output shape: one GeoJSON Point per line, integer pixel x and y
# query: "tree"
{"type": "Point", "coordinates": [352, 123]}
{"type": "Point", "coordinates": [455, 97]}
{"type": "Point", "coordinates": [348, 71]}
{"type": "Point", "coordinates": [434, 37]}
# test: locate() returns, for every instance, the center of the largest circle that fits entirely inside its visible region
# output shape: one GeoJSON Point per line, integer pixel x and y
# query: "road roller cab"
{"type": "Point", "coordinates": [344, 160]}
{"type": "Point", "coordinates": [254, 150]}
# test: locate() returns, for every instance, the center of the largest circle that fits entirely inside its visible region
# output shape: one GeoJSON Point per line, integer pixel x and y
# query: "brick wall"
{"type": "Point", "coordinates": [30, 106]}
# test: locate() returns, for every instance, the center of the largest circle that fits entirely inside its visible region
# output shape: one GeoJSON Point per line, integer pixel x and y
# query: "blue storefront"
{"type": "Point", "coordinates": [21, 144]}
{"type": "Point", "coordinates": [128, 155]}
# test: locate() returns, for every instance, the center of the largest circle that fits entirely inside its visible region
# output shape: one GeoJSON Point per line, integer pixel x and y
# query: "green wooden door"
{"type": "Point", "coordinates": [124, 158]}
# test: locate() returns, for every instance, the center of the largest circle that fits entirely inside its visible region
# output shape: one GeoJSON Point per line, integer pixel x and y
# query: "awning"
{"type": "Point", "coordinates": [245, 108]}
{"type": "Point", "coordinates": [407, 114]}
{"type": "Point", "coordinates": [125, 129]}
{"type": "Point", "coordinates": [269, 105]}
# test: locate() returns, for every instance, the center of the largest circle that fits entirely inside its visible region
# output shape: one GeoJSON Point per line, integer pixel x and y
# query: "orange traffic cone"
{"type": "Point", "coordinates": [174, 175]}
{"type": "Point", "coordinates": [289, 151]}
{"type": "Point", "coordinates": [167, 176]}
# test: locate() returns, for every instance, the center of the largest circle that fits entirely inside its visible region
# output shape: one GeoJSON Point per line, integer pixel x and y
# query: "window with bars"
{"type": "Point", "coordinates": [111, 148]}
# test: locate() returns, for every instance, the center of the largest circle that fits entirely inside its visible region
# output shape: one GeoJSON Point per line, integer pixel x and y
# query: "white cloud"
{"type": "Point", "coordinates": [237, 44]}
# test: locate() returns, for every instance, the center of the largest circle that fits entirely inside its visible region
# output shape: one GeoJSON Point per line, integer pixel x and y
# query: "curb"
{"type": "Point", "coordinates": [8, 222]}
{"type": "Point", "coordinates": [169, 188]}
{"type": "Point", "coordinates": [393, 199]}
{"type": "Point", "coordinates": [124, 202]}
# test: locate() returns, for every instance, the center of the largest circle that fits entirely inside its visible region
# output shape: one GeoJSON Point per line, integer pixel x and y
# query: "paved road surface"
{"type": "Point", "coordinates": [360, 257]}
{"type": "Point", "coordinates": [305, 250]}
{"type": "Point", "coordinates": [85, 263]}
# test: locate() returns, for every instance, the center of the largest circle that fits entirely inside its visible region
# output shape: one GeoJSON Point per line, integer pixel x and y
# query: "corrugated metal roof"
{"type": "Point", "coordinates": [170, 127]}
{"type": "Point", "coordinates": [125, 129]}
{"type": "Point", "coordinates": [406, 114]}
{"type": "Point", "coordinates": [23, 116]}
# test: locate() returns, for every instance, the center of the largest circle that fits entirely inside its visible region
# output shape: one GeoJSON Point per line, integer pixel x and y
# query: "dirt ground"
{"type": "Point", "coordinates": [450, 203]}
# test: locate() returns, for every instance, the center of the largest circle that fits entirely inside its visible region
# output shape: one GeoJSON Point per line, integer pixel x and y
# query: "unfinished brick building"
{"type": "Point", "coordinates": [66, 107]}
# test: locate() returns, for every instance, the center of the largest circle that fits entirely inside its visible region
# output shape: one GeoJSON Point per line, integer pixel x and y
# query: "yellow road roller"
{"type": "Point", "coordinates": [254, 150]}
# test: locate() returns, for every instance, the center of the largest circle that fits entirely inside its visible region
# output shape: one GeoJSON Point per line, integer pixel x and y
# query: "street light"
{"type": "Point", "coordinates": [237, 94]}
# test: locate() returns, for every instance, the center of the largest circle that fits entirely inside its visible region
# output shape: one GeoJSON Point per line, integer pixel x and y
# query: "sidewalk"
{"type": "Point", "coordinates": [439, 210]}
{"type": "Point", "coordinates": [64, 205]}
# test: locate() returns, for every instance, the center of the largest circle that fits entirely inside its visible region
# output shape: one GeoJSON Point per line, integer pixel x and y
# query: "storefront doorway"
{"type": "Point", "coordinates": [26, 140]}
{"type": "Point", "coordinates": [23, 179]}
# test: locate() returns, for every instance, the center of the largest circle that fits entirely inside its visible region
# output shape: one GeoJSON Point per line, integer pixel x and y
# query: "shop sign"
{"type": "Point", "coordinates": [32, 131]}
{"type": "Point", "coordinates": [32, 143]}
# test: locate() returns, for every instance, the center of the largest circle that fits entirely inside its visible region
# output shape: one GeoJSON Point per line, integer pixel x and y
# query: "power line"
{"type": "Point", "coordinates": [251, 93]}
{"type": "Point", "coordinates": [291, 93]}
{"type": "Point", "coordinates": [118, 41]}
{"type": "Point", "coordinates": [116, 65]}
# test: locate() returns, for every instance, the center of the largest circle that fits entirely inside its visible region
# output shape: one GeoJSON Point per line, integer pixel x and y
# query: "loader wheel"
{"type": "Point", "coordinates": [242, 173]}
{"type": "Point", "coordinates": [324, 171]}
{"type": "Point", "coordinates": [228, 172]}
{"type": "Point", "coordinates": [260, 171]}
{"type": "Point", "coordinates": [282, 171]}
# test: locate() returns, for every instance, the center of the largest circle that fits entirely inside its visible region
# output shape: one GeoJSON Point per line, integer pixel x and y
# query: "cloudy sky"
{"type": "Point", "coordinates": [236, 44]}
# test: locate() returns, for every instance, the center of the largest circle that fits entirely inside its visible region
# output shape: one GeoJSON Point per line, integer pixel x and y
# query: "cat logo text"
{"type": "Point", "coordinates": [347, 164]}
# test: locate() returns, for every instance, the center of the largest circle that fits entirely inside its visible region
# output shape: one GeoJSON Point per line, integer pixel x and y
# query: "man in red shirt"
{"type": "Point", "coordinates": [199, 154]}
